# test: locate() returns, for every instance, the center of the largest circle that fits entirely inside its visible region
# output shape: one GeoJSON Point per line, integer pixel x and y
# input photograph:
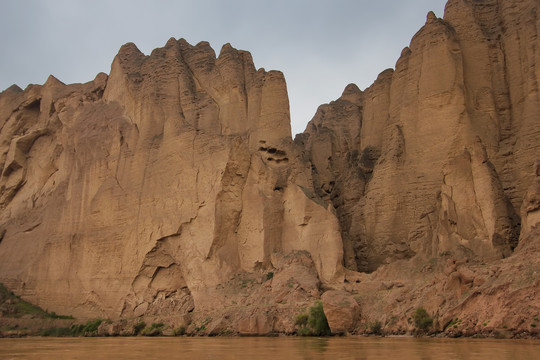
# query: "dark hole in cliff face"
{"type": "Point", "coordinates": [278, 188]}
{"type": "Point", "coordinates": [97, 94]}
{"type": "Point", "coordinates": [34, 105]}
{"type": "Point", "coordinates": [272, 150]}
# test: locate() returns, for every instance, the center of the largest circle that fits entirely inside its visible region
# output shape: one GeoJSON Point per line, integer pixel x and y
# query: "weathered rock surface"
{"type": "Point", "coordinates": [530, 209]}
{"type": "Point", "coordinates": [171, 190]}
{"type": "Point", "coordinates": [435, 155]}
{"type": "Point", "coordinates": [139, 192]}
{"type": "Point", "coordinates": [341, 310]}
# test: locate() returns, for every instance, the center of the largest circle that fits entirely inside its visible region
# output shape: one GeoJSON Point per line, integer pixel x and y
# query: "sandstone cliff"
{"type": "Point", "coordinates": [436, 155]}
{"type": "Point", "coordinates": [171, 188]}
{"type": "Point", "coordinates": [141, 191]}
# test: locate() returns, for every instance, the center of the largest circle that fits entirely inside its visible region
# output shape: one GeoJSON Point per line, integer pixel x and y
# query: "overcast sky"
{"type": "Point", "coordinates": [321, 46]}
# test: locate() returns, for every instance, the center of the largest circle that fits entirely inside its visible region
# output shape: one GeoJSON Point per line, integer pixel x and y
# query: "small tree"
{"type": "Point", "coordinates": [317, 320]}
{"type": "Point", "coordinates": [138, 327]}
{"type": "Point", "coordinates": [301, 320]}
{"type": "Point", "coordinates": [422, 320]}
{"type": "Point", "coordinates": [375, 327]}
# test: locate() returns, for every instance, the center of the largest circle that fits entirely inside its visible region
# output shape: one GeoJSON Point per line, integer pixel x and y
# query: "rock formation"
{"type": "Point", "coordinates": [435, 155]}
{"type": "Point", "coordinates": [172, 189]}
{"type": "Point", "coordinates": [139, 192]}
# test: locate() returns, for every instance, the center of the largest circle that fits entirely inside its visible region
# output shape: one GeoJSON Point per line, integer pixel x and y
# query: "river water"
{"type": "Point", "coordinates": [279, 348]}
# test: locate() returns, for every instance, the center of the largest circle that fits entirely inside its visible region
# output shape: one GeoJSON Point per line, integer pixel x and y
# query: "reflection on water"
{"type": "Point", "coordinates": [282, 348]}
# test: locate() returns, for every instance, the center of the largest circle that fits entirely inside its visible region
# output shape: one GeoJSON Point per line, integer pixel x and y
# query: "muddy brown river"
{"type": "Point", "coordinates": [279, 348]}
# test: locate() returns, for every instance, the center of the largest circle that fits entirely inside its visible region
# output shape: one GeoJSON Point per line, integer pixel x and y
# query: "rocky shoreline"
{"type": "Point", "coordinates": [116, 330]}
{"type": "Point", "coordinates": [377, 304]}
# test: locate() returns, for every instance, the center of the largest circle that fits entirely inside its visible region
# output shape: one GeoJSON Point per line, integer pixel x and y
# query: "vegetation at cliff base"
{"type": "Point", "coordinates": [375, 328]}
{"type": "Point", "coordinates": [301, 320]}
{"type": "Point", "coordinates": [88, 329]}
{"type": "Point", "coordinates": [422, 320]}
{"type": "Point", "coordinates": [138, 327]}
{"type": "Point", "coordinates": [314, 323]}
{"type": "Point", "coordinates": [179, 331]}
{"type": "Point", "coordinates": [155, 329]}
{"type": "Point", "coordinates": [13, 306]}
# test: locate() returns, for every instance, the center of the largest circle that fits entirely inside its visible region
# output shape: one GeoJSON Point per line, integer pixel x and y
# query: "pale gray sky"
{"type": "Point", "coordinates": [321, 46]}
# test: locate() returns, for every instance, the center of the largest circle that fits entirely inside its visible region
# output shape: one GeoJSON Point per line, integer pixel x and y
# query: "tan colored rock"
{"type": "Point", "coordinates": [530, 209]}
{"type": "Point", "coordinates": [295, 270]}
{"type": "Point", "coordinates": [256, 325]}
{"type": "Point", "coordinates": [172, 185]}
{"type": "Point", "coordinates": [473, 211]}
{"type": "Point", "coordinates": [106, 329]}
{"type": "Point", "coordinates": [444, 121]}
{"type": "Point", "coordinates": [341, 310]}
{"type": "Point", "coordinates": [138, 193]}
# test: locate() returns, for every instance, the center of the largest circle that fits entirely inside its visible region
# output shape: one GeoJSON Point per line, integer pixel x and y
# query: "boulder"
{"type": "Point", "coordinates": [341, 310]}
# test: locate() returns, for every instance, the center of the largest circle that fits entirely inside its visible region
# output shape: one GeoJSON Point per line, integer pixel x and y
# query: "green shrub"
{"type": "Point", "coordinates": [88, 329]}
{"type": "Point", "coordinates": [304, 331]}
{"type": "Point", "coordinates": [26, 308]}
{"type": "Point", "coordinates": [138, 327]}
{"type": "Point", "coordinates": [20, 307]}
{"type": "Point", "coordinates": [205, 322]}
{"type": "Point", "coordinates": [5, 293]}
{"type": "Point", "coordinates": [53, 315]}
{"type": "Point", "coordinates": [76, 329]}
{"type": "Point", "coordinates": [91, 326]}
{"type": "Point", "coordinates": [454, 324]}
{"type": "Point", "coordinates": [270, 275]}
{"type": "Point", "coordinates": [317, 320]}
{"type": "Point", "coordinates": [422, 320]}
{"type": "Point", "coordinates": [314, 323]}
{"type": "Point", "coordinates": [9, 327]}
{"type": "Point", "coordinates": [155, 329]}
{"type": "Point", "coordinates": [301, 320]}
{"type": "Point", "coordinates": [179, 331]}
{"type": "Point", "coordinates": [375, 327]}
